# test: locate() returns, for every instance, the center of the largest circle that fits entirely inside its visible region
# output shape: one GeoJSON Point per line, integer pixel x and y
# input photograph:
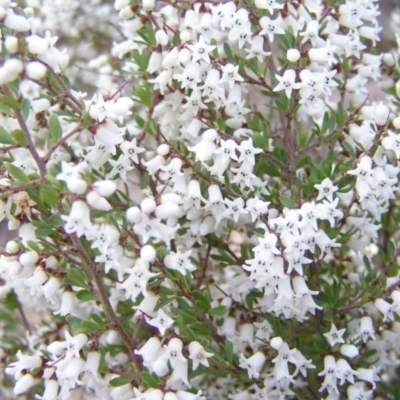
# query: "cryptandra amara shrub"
{"type": "Point", "coordinates": [216, 218]}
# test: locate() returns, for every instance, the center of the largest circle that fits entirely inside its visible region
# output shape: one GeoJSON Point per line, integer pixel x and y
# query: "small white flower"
{"type": "Point", "coordinates": [198, 355]}
{"type": "Point", "coordinates": [334, 336]}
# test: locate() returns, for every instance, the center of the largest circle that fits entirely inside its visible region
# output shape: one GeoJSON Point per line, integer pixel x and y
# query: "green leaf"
{"type": "Point", "coordinates": [55, 129]}
{"type": "Point", "coordinates": [5, 137]}
{"type": "Point", "coordinates": [144, 94]}
{"type": "Point", "coordinates": [54, 83]}
{"type": "Point", "coordinates": [49, 195]}
{"type": "Point", "coordinates": [229, 53]}
{"type": "Point", "coordinates": [218, 311]}
{"type": "Point", "coordinates": [34, 246]}
{"type": "Point", "coordinates": [25, 108]}
{"type": "Point", "coordinates": [10, 102]}
{"type": "Point", "coordinates": [201, 305]}
{"type": "Point", "coordinates": [229, 351]}
{"type": "Point", "coordinates": [17, 173]}
{"type": "Point", "coordinates": [96, 318]}
{"type": "Point", "coordinates": [287, 201]}
{"type": "Point", "coordinates": [120, 381]}
{"type": "Point", "coordinates": [145, 180]}
{"type": "Point", "coordinates": [19, 136]}
{"type": "Point", "coordinates": [150, 380]}
{"type": "Point", "coordinates": [89, 327]}
{"type": "Point", "coordinates": [77, 277]}
{"type": "Point", "coordinates": [85, 295]}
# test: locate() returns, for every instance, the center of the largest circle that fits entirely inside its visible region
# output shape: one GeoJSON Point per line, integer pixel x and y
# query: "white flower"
{"type": "Point", "coordinates": [78, 220]}
{"type": "Point", "coordinates": [326, 189]}
{"type": "Point", "coordinates": [198, 355]}
{"type": "Point", "coordinates": [162, 322]}
{"type": "Point", "coordinates": [334, 336]}
{"type": "Point", "coordinates": [252, 364]}
{"type": "Point", "coordinates": [200, 51]}
{"type": "Point", "coordinates": [287, 82]}
{"type": "Point", "coordinates": [271, 27]}
{"type": "Point", "coordinates": [367, 329]}
{"type": "Point", "coordinates": [179, 262]}
{"type": "Point", "coordinates": [392, 142]}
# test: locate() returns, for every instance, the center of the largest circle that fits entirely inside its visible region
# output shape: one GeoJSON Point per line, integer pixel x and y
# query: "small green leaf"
{"type": "Point", "coordinates": [85, 295]}
{"type": "Point", "coordinates": [229, 351]}
{"type": "Point", "coordinates": [34, 246]}
{"type": "Point", "coordinates": [17, 173]}
{"type": "Point", "coordinates": [145, 180]}
{"type": "Point", "coordinates": [49, 195]}
{"type": "Point", "coordinates": [19, 136]}
{"type": "Point", "coordinates": [120, 381]}
{"type": "Point", "coordinates": [229, 53]}
{"type": "Point", "coordinates": [25, 108]}
{"type": "Point", "coordinates": [10, 102]}
{"type": "Point", "coordinates": [218, 311]}
{"type": "Point", "coordinates": [150, 380]}
{"type": "Point", "coordinates": [5, 137]}
{"type": "Point", "coordinates": [55, 128]}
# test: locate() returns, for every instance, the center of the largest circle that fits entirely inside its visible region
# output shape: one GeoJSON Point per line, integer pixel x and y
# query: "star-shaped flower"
{"type": "Point", "coordinates": [201, 50]}
{"type": "Point", "coordinates": [326, 189]}
{"type": "Point", "coordinates": [162, 322]}
{"type": "Point", "coordinates": [198, 355]}
{"type": "Point", "coordinates": [334, 336]}
{"type": "Point", "coordinates": [287, 82]}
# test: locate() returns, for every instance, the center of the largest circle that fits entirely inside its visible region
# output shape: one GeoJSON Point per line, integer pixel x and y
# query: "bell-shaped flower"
{"type": "Point", "coordinates": [252, 364]}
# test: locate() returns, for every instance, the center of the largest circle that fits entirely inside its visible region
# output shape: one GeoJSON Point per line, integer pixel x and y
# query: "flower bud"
{"type": "Point", "coordinates": [120, 4]}
{"type": "Point", "coordinates": [35, 70]}
{"type": "Point", "coordinates": [11, 43]}
{"type": "Point", "coordinates": [14, 268]}
{"type": "Point", "coordinates": [349, 350]}
{"type": "Point", "coordinates": [162, 37]}
{"type": "Point", "coordinates": [163, 150]}
{"type": "Point", "coordinates": [134, 215]}
{"type": "Point", "coordinates": [381, 114]}
{"type": "Point", "coordinates": [170, 396]}
{"type": "Point", "coordinates": [77, 186]}
{"type": "Point", "coordinates": [293, 55]}
{"type": "Point", "coordinates": [396, 123]}
{"type": "Point", "coordinates": [148, 5]}
{"type": "Point", "coordinates": [25, 383]}
{"type": "Point", "coordinates": [29, 258]}
{"type": "Point", "coordinates": [184, 56]}
{"type": "Point", "coordinates": [185, 36]}
{"type": "Point", "coordinates": [104, 188]}
{"type": "Point", "coordinates": [37, 45]}
{"type": "Point", "coordinates": [12, 247]}
{"type": "Point", "coordinates": [276, 342]}
{"type": "Point", "coordinates": [148, 205]}
{"type": "Point", "coordinates": [98, 202]}
{"type": "Point", "coordinates": [167, 210]}
{"type": "Point", "coordinates": [10, 70]}
{"type": "Point", "coordinates": [389, 60]}
{"type": "Point", "coordinates": [17, 23]}
{"type": "Point", "coordinates": [126, 13]}
{"type": "Point", "coordinates": [148, 253]}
